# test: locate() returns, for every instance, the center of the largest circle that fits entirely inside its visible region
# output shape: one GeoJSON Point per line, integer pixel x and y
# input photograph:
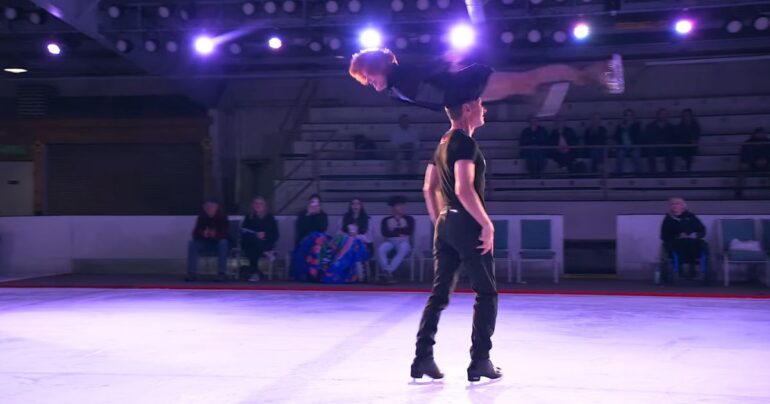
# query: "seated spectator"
{"type": "Point", "coordinates": [660, 132]}
{"type": "Point", "coordinates": [311, 220]}
{"type": "Point", "coordinates": [682, 233]}
{"type": "Point", "coordinates": [209, 237]}
{"type": "Point", "coordinates": [533, 136]}
{"type": "Point", "coordinates": [687, 134]}
{"type": "Point", "coordinates": [755, 152]}
{"type": "Point", "coordinates": [564, 139]}
{"type": "Point", "coordinates": [596, 135]}
{"type": "Point", "coordinates": [397, 230]}
{"type": "Point", "coordinates": [355, 223]}
{"type": "Point", "coordinates": [627, 134]}
{"type": "Point", "coordinates": [405, 141]}
{"type": "Point", "coordinates": [364, 148]}
{"type": "Point", "coordinates": [259, 233]}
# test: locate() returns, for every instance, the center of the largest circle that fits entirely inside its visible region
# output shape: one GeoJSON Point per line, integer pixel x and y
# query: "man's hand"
{"type": "Point", "coordinates": [487, 238]}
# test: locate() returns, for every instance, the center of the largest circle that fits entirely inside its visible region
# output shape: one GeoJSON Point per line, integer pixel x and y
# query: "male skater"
{"type": "Point", "coordinates": [429, 87]}
{"type": "Point", "coordinates": [464, 234]}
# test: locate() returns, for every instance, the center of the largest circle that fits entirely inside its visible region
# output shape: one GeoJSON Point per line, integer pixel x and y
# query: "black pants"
{"type": "Point", "coordinates": [254, 250]}
{"type": "Point", "coordinates": [456, 241]}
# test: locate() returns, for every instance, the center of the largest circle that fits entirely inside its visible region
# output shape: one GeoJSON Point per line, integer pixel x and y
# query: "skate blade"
{"type": "Point", "coordinates": [483, 381]}
{"type": "Point", "coordinates": [425, 381]}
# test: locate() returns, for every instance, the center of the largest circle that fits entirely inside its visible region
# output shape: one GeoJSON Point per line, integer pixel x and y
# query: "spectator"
{"type": "Point", "coordinates": [682, 233]}
{"type": "Point", "coordinates": [209, 237]}
{"type": "Point", "coordinates": [355, 223]}
{"type": "Point", "coordinates": [364, 147]}
{"type": "Point", "coordinates": [405, 141]}
{"type": "Point", "coordinates": [755, 152]}
{"type": "Point", "coordinates": [311, 220]}
{"type": "Point", "coordinates": [596, 135]}
{"type": "Point", "coordinates": [533, 136]}
{"type": "Point", "coordinates": [259, 232]}
{"type": "Point", "coordinates": [628, 134]}
{"type": "Point", "coordinates": [660, 132]}
{"type": "Point", "coordinates": [563, 138]}
{"type": "Point", "coordinates": [687, 134]}
{"type": "Point", "coordinates": [397, 230]}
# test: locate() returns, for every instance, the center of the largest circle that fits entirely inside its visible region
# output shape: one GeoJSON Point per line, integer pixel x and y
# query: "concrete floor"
{"type": "Point", "coordinates": [153, 346]}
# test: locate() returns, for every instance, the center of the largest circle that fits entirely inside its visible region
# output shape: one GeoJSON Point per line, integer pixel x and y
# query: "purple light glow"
{"type": "Point", "coordinates": [204, 45]}
{"type": "Point", "coordinates": [53, 48]}
{"type": "Point", "coordinates": [684, 27]}
{"type": "Point", "coordinates": [462, 36]}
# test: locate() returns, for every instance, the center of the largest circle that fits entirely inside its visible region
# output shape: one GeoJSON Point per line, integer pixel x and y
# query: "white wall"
{"type": "Point", "coordinates": [639, 246]}
{"type": "Point", "coordinates": [50, 244]}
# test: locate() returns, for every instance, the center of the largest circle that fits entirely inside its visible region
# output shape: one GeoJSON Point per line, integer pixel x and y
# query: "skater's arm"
{"type": "Point", "coordinates": [429, 191]}
{"type": "Point", "coordinates": [465, 172]}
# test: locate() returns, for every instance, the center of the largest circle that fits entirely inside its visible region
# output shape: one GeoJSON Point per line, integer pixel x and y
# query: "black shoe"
{"type": "Point", "coordinates": [190, 278]}
{"type": "Point", "coordinates": [483, 368]}
{"type": "Point", "coordinates": [425, 367]}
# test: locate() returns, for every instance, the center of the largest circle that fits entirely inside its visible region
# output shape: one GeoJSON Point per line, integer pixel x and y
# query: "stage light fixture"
{"type": "Point", "coordinates": [164, 12]}
{"type": "Point", "coordinates": [315, 46]}
{"type": "Point", "coordinates": [35, 17]}
{"type": "Point", "coordinates": [370, 38]}
{"type": "Point", "coordinates": [11, 13]}
{"type": "Point", "coordinates": [354, 6]}
{"type": "Point", "coordinates": [114, 11]}
{"type": "Point", "coordinates": [396, 5]}
{"type": "Point", "coordinates": [270, 7]}
{"type": "Point", "coordinates": [581, 31]}
{"type": "Point", "coordinates": [275, 43]}
{"type": "Point", "coordinates": [289, 6]}
{"type": "Point", "coordinates": [462, 36]}
{"type": "Point", "coordinates": [507, 2]}
{"type": "Point", "coordinates": [425, 38]}
{"type": "Point", "coordinates": [423, 5]}
{"type": "Point", "coordinates": [536, 2]}
{"type": "Point", "coordinates": [734, 26]}
{"type": "Point", "coordinates": [762, 23]}
{"type": "Point", "coordinates": [684, 26]}
{"type": "Point", "coordinates": [401, 43]}
{"type": "Point", "coordinates": [150, 45]}
{"type": "Point", "coordinates": [15, 70]}
{"type": "Point", "coordinates": [235, 48]}
{"type": "Point", "coordinates": [172, 47]}
{"type": "Point", "coordinates": [507, 37]}
{"type": "Point", "coordinates": [534, 36]}
{"type": "Point", "coordinates": [248, 8]}
{"type": "Point", "coordinates": [335, 43]}
{"type": "Point", "coordinates": [332, 7]}
{"type": "Point", "coordinates": [123, 46]}
{"type": "Point", "coordinates": [443, 4]}
{"type": "Point", "coordinates": [184, 14]}
{"type": "Point", "coordinates": [53, 48]}
{"type": "Point", "coordinates": [559, 36]}
{"type": "Point", "coordinates": [204, 45]}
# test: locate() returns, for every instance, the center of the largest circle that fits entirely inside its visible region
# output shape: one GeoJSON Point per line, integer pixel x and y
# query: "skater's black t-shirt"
{"type": "Point", "coordinates": [454, 146]}
{"type": "Point", "coordinates": [434, 87]}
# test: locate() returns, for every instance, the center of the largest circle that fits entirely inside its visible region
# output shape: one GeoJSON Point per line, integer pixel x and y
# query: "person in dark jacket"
{"type": "Point", "coordinates": [259, 233]}
{"type": "Point", "coordinates": [311, 220]}
{"type": "Point", "coordinates": [564, 139]}
{"type": "Point", "coordinates": [660, 132]}
{"type": "Point", "coordinates": [627, 134]}
{"type": "Point", "coordinates": [595, 135]}
{"type": "Point", "coordinates": [687, 134]}
{"type": "Point", "coordinates": [209, 236]}
{"type": "Point", "coordinates": [682, 234]}
{"type": "Point", "coordinates": [755, 152]}
{"type": "Point", "coordinates": [533, 136]}
{"type": "Point", "coordinates": [397, 230]}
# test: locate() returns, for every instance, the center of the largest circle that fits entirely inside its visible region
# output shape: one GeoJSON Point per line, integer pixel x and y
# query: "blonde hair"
{"type": "Point", "coordinates": [371, 61]}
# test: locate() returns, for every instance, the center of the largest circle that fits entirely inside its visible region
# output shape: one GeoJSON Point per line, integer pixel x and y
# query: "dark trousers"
{"type": "Point", "coordinates": [456, 241]}
{"type": "Point", "coordinates": [254, 249]}
{"type": "Point", "coordinates": [211, 247]}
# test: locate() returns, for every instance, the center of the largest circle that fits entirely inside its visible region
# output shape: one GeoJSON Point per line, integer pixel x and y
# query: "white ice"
{"type": "Point", "coordinates": [130, 346]}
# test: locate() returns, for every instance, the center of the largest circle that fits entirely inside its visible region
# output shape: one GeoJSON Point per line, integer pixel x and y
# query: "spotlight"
{"type": "Point", "coordinates": [114, 11]}
{"type": "Point", "coordinates": [15, 70]}
{"type": "Point", "coordinates": [164, 12]}
{"type": "Point", "coordinates": [370, 38]}
{"type": "Point", "coordinates": [184, 14]}
{"type": "Point", "coordinates": [172, 47]}
{"type": "Point", "coordinates": [534, 36]}
{"type": "Point", "coordinates": [401, 43]}
{"type": "Point", "coordinates": [425, 38]}
{"type": "Point", "coordinates": [11, 13]}
{"type": "Point", "coordinates": [204, 45]}
{"type": "Point", "coordinates": [275, 43]}
{"type": "Point", "coordinates": [559, 36]}
{"type": "Point", "coordinates": [396, 5]}
{"type": "Point", "coordinates": [683, 27]}
{"type": "Point", "coordinates": [332, 7]}
{"type": "Point", "coordinates": [35, 17]}
{"type": "Point", "coordinates": [150, 45]}
{"type": "Point", "coordinates": [443, 4]}
{"type": "Point", "coordinates": [123, 46]}
{"type": "Point", "coordinates": [423, 5]}
{"type": "Point", "coordinates": [315, 46]}
{"type": "Point", "coordinates": [235, 48]}
{"type": "Point", "coordinates": [462, 36]}
{"type": "Point", "coordinates": [249, 8]}
{"type": "Point", "coordinates": [335, 43]}
{"type": "Point", "coordinates": [734, 26]}
{"type": "Point", "coordinates": [270, 7]}
{"type": "Point", "coordinates": [53, 48]}
{"type": "Point", "coordinates": [354, 6]}
{"type": "Point", "coordinates": [289, 6]}
{"type": "Point", "coordinates": [581, 31]}
{"type": "Point", "coordinates": [507, 37]}
{"type": "Point", "coordinates": [762, 23]}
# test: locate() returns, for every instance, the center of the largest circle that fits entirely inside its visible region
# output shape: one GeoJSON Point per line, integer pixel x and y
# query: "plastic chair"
{"type": "Point", "coordinates": [536, 246]}
{"type": "Point", "coordinates": [744, 230]}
